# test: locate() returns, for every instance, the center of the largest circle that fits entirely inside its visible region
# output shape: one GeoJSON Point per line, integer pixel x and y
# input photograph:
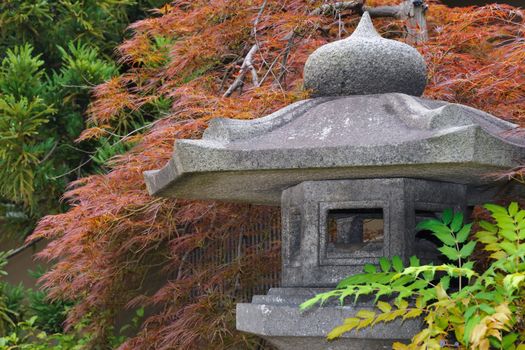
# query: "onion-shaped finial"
{"type": "Point", "coordinates": [364, 64]}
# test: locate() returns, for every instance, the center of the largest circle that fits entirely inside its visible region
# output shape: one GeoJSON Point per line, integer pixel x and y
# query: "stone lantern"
{"type": "Point", "coordinates": [353, 169]}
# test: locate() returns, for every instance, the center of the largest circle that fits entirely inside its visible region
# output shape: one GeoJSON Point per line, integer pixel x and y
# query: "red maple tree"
{"type": "Point", "coordinates": [115, 237]}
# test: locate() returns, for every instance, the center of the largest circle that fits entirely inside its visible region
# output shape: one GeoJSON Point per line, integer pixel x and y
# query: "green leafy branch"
{"type": "Point", "coordinates": [484, 313]}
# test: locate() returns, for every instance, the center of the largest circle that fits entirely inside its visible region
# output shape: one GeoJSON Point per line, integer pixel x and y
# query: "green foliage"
{"type": "Point", "coordinates": [52, 54]}
{"type": "Point", "coordinates": [107, 150]}
{"type": "Point", "coordinates": [29, 335]}
{"type": "Point", "coordinates": [25, 303]}
{"type": "Point", "coordinates": [461, 307]}
{"type": "Point", "coordinates": [29, 320]}
{"type": "Point", "coordinates": [45, 24]}
{"type": "Point", "coordinates": [22, 114]}
{"type": "Point", "coordinates": [6, 314]}
{"type": "Point", "coordinates": [21, 73]}
{"type": "Point", "coordinates": [40, 115]}
{"type": "Point", "coordinates": [26, 335]}
{"type": "Point", "coordinates": [14, 299]}
{"type": "Point", "coordinates": [50, 314]}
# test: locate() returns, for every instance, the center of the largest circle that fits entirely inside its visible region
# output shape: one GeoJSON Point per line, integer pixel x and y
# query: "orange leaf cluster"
{"type": "Point", "coordinates": [116, 237]}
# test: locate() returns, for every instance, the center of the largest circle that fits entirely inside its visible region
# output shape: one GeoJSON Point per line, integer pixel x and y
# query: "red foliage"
{"type": "Point", "coordinates": [115, 235]}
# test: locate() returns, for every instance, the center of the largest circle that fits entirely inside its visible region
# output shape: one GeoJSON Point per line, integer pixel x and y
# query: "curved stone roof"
{"type": "Point", "coordinates": [383, 135]}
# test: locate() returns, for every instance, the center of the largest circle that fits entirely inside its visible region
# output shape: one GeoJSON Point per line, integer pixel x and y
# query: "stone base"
{"type": "Point", "coordinates": [310, 343]}
{"type": "Point", "coordinates": [276, 317]}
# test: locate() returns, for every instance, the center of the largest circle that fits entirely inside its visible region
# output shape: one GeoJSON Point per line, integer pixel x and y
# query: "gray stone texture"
{"type": "Point", "coordinates": [352, 137]}
{"type": "Point", "coordinates": [307, 261]}
{"type": "Point", "coordinates": [365, 152]}
{"type": "Point", "coordinates": [277, 318]}
{"type": "Point", "coordinates": [363, 64]}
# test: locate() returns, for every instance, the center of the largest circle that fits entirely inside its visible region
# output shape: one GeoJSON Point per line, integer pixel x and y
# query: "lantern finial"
{"type": "Point", "coordinates": [365, 64]}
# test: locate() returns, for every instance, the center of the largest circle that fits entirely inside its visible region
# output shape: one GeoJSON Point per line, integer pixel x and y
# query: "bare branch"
{"type": "Point", "coordinates": [328, 9]}
{"type": "Point", "coordinates": [384, 11]}
{"type": "Point", "coordinates": [228, 73]}
{"type": "Point", "coordinates": [180, 270]}
{"type": "Point", "coordinates": [20, 249]}
{"type": "Point", "coordinates": [247, 64]}
{"type": "Point", "coordinates": [255, 78]}
{"type": "Point", "coordinates": [258, 18]}
{"type": "Point", "coordinates": [283, 70]}
{"type": "Point", "coordinates": [270, 68]}
{"type": "Point", "coordinates": [417, 31]}
{"type": "Point", "coordinates": [413, 11]}
{"type": "Point", "coordinates": [46, 157]}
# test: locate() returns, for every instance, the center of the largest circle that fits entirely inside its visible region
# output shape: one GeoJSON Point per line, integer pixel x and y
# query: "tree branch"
{"type": "Point", "coordinates": [288, 48]}
{"type": "Point", "coordinates": [330, 9]}
{"type": "Point", "coordinates": [46, 157]}
{"type": "Point", "coordinates": [412, 11]}
{"type": "Point", "coordinates": [258, 18]}
{"type": "Point", "coordinates": [228, 73]}
{"type": "Point", "coordinates": [20, 249]}
{"type": "Point", "coordinates": [247, 65]}
{"type": "Point", "coordinates": [384, 11]}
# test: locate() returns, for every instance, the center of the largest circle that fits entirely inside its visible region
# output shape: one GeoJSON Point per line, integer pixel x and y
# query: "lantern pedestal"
{"type": "Point", "coordinates": [331, 229]}
{"type": "Point", "coordinates": [276, 317]}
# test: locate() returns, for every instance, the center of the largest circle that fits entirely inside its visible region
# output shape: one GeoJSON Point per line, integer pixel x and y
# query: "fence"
{"type": "Point", "coordinates": [258, 241]}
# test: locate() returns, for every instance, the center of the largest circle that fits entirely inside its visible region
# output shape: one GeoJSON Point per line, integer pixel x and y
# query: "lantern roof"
{"type": "Point", "coordinates": [343, 134]}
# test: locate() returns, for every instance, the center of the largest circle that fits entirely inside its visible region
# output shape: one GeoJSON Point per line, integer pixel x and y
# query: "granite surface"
{"type": "Point", "coordinates": [365, 63]}
{"type": "Point", "coordinates": [382, 135]}
{"type": "Point", "coordinates": [277, 318]}
{"type": "Point", "coordinates": [308, 258]}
